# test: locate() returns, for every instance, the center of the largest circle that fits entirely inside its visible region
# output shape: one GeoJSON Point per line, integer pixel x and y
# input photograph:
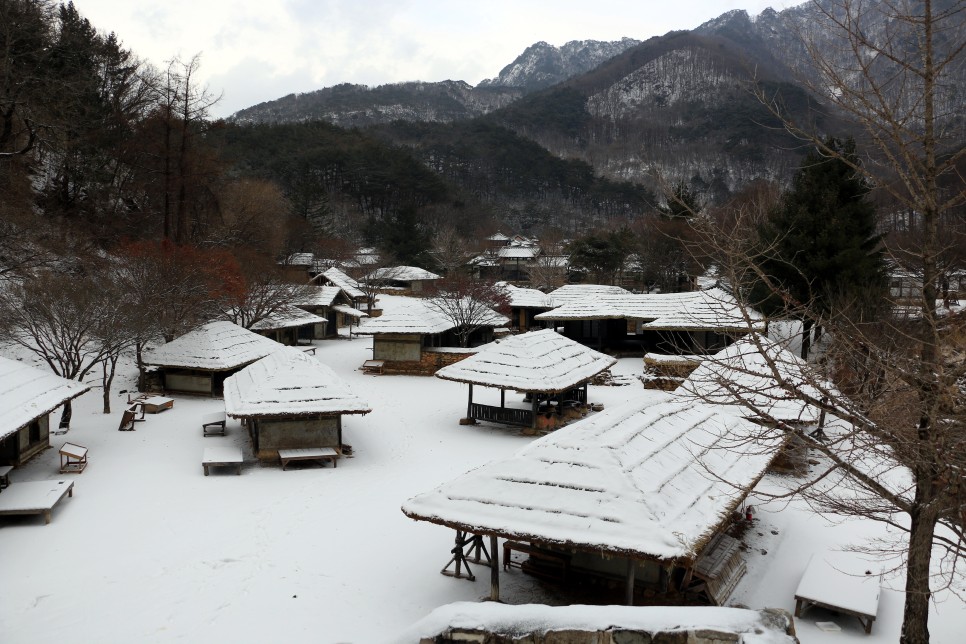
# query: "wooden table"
{"type": "Point", "coordinates": [156, 404]}
{"type": "Point", "coordinates": [35, 497]}
{"type": "Point", "coordinates": [5, 475]}
{"type": "Point", "coordinates": [841, 582]}
{"type": "Point", "coordinates": [222, 457]}
{"type": "Point", "coordinates": [321, 454]}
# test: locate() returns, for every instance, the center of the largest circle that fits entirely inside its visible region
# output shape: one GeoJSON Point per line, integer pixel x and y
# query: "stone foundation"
{"type": "Point", "coordinates": [429, 363]}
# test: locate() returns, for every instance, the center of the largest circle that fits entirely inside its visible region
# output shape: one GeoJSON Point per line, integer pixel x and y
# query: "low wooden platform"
{"type": "Point", "coordinates": [73, 458]}
{"type": "Point", "coordinates": [156, 404]}
{"type": "Point", "coordinates": [222, 457]}
{"type": "Point", "coordinates": [840, 582]}
{"type": "Point", "coordinates": [5, 475]}
{"type": "Point", "coordinates": [213, 423]}
{"type": "Point", "coordinates": [321, 454]}
{"type": "Point", "coordinates": [373, 366]}
{"type": "Point", "coordinates": [542, 562]}
{"type": "Point", "coordinates": [35, 497]}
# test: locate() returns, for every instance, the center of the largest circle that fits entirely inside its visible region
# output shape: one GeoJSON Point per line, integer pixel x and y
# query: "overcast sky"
{"type": "Point", "coordinates": [258, 50]}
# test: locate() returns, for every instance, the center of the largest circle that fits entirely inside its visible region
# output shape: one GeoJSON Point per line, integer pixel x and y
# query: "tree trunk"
{"type": "Point", "coordinates": [107, 379]}
{"type": "Point", "coordinates": [915, 624]}
{"type": "Point", "coordinates": [806, 338]}
{"type": "Point", "coordinates": [65, 416]}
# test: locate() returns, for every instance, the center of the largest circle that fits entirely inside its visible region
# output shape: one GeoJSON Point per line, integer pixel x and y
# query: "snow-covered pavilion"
{"type": "Point", "coordinates": [550, 369]}
{"type": "Point", "coordinates": [27, 396]}
{"type": "Point", "coordinates": [404, 278]}
{"type": "Point", "coordinates": [199, 361]}
{"type": "Point", "coordinates": [290, 400]}
{"type": "Point", "coordinates": [640, 493]}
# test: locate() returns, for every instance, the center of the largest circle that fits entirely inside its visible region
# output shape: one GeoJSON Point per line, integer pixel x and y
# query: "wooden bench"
{"type": "Point", "coordinates": [35, 497]}
{"type": "Point", "coordinates": [156, 404]}
{"type": "Point", "coordinates": [559, 562]}
{"type": "Point", "coordinates": [73, 458]}
{"type": "Point", "coordinates": [321, 454]}
{"type": "Point", "coordinates": [840, 582]}
{"type": "Point", "coordinates": [213, 423]}
{"type": "Point", "coordinates": [222, 457]}
{"type": "Point", "coordinates": [129, 417]}
{"type": "Point", "coordinates": [373, 366]}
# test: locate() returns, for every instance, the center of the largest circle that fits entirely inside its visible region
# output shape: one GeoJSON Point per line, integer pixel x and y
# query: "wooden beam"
{"type": "Point", "coordinates": [629, 591]}
{"type": "Point", "coordinates": [494, 569]}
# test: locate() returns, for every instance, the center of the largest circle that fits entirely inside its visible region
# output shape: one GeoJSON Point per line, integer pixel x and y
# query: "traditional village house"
{"type": "Point", "coordinates": [290, 400]}
{"type": "Point", "coordinates": [403, 280]}
{"type": "Point", "coordinates": [496, 241]}
{"type": "Point", "coordinates": [358, 298]}
{"type": "Point", "coordinates": [695, 322]}
{"type": "Point", "coordinates": [291, 325]}
{"type": "Point", "coordinates": [199, 361]}
{"type": "Point", "coordinates": [638, 495]}
{"type": "Point", "coordinates": [362, 262]}
{"type": "Point", "coordinates": [525, 303]}
{"type": "Point", "coordinates": [27, 396]}
{"type": "Point", "coordinates": [333, 305]}
{"type": "Point", "coordinates": [415, 337]}
{"type": "Point", "coordinates": [551, 370]}
{"type": "Point", "coordinates": [516, 258]}
{"type": "Point", "coordinates": [298, 267]}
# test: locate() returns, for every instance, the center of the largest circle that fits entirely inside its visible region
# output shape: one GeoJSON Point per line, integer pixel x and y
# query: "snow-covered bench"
{"type": "Point", "coordinates": [73, 458]}
{"type": "Point", "coordinates": [373, 366]}
{"type": "Point", "coordinates": [35, 497]}
{"type": "Point", "coordinates": [321, 454]}
{"type": "Point", "coordinates": [213, 423]}
{"type": "Point", "coordinates": [222, 457]}
{"type": "Point", "coordinates": [840, 582]}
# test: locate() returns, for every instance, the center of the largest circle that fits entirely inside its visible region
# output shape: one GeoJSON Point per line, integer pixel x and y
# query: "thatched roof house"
{"type": "Point", "coordinates": [289, 324]}
{"type": "Point", "coordinates": [525, 303]}
{"type": "Point", "coordinates": [27, 396]}
{"type": "Point", "coordinates": [290, 400]}
{"type": "Point", "coordinates": [543, 364]}
{"type": "Point", "coordinates": [639, 493]}
{"type": "Point", "coordinates": [200, 360]}
{"type": "Point", "coordinates": [411, 328]}
{"type": "Point", "coordinates": [406, 278]}
{"type": "Point", "coordinates": [694, 322]}
{"type": "Point", "coordinates": [331, 303]}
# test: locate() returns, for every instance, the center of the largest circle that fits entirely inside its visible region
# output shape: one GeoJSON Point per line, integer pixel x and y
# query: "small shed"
{"type": "Point", "coordinates": [551, 370]}
{"type": "Point", "coordinates": [290, 400]}
{"type": "Point", "coordinates": [639, 495]}
{"type": "Point", "coordinates": [199, 361]}
{"type": "Point", "coordinates": [406, 279]}
{"type": "Point", "coordinates": [27, 396]}
{"type": "Point", "coordinates": [290, 324]}
{"type": "Point", "coordinates": [525, 303]}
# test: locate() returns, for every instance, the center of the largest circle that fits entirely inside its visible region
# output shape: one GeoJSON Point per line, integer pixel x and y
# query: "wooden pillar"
{"type": "Point", "coordinates": [629, 592]}
{"type": "Point", "coordinates": [502, 398]}
{"type": "Point", "coordinates": [535, 403]}
{"type": "Point", "coordinates": [494, 569]}
{"type": "Point", "coordinates": [469, 403]}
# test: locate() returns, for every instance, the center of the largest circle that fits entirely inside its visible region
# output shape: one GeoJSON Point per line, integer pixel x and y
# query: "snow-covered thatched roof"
{"type": "Point", "coordinates": [539, 361]}
{"type": "Point", "coordinates": [286, 318]}
{"type": "Point", "coordinates": [519, 251]}
{"type": "Point", "coordinates": [216, 346]}
{"type": "Point", "coordinates": [313, 295]}
{"type": "Point", "coordinates": [289, 382]}
{"type": "Point", "coordinates": [647, 480]}
{"type": "Point", "coordinates": [498, 236]}
{"type": "Point", "coordinates": [402, 274]}
{"type": "Point", "coordinates": [343, 281]}
{"type": "Point", "coordinates": [526, 297]}
{"type": "Point", "coordinates": [26, 393]}
{"type": "Point", "coordinates": [713, 309]}
{"type": "Point", "coordinates": [585, 293]}
{"type": "Point", "coordinates": [415, 315]}
{"type": "Point", "coordinates": [747, 373]}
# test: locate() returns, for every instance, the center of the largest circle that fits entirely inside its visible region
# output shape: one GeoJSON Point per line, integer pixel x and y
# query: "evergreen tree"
{"type": "Point", "coordinates": [820, 242]}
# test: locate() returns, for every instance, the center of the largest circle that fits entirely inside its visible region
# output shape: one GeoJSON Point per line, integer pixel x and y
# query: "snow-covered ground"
{"type": "Point", "coordinates": [151, 550]}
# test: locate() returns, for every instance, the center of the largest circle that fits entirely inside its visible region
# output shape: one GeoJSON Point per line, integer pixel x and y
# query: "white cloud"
{"type": "Point", "coordinates": [256, 51]}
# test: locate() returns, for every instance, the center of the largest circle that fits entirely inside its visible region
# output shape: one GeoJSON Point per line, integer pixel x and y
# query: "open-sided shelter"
{"type": "Point", "coordinates": [199, 361]}
{"type": "Point", "coordinates": [290, 400]}
{"type": "Point", "coordinates": [693, 322]}
{"type": "Point", "coordinates": [550, 369]}
{"type": "Point", "coordinates": [639, 494]}
{"type": "Point", "coordinates": [27, 396]}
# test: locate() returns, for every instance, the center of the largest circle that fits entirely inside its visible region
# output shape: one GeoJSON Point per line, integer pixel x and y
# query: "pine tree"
{"type": "Point", "coordinates": [820, 242]}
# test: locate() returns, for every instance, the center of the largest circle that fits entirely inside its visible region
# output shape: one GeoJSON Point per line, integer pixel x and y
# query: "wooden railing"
{"type": "Point", "coordinates": [504, 415]}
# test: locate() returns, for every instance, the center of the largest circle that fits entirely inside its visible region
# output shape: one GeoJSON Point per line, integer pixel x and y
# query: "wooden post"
{"type": "Point", "coordinates": [494, 569]}
{"type": "Point", "coordinates": [535, 402]}
{"type": "Point", "coordinates": [469, 403]}
{"type": "Point", "coordinates": [629, 592]}
{"type": "Point", "coordinates": [502, 398]}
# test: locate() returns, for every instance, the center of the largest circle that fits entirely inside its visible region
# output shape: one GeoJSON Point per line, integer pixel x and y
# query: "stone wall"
{"type": "Point", "coordinates": [429, 363]}
{"type": "Point", "coordinates": [778, 622]}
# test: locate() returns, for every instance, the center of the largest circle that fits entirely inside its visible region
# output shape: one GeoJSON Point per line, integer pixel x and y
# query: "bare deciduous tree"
{"type": "Point", "coordinates": [470, 304]}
